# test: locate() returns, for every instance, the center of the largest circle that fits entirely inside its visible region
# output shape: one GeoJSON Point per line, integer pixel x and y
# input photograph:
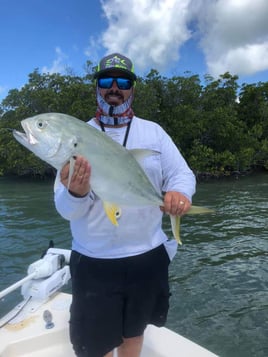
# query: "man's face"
{"type": "Point", "coordinates": [115, 96]}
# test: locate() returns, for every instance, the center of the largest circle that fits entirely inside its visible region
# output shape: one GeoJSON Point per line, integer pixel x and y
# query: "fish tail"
{"type": "Point", "coordinates": [199, 210]}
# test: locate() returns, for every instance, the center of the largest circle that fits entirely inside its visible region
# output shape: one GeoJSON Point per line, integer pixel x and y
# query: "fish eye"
{"type": "Point", "coordinates": [41, 124]}
{"type": "Point", "coordinates": [118, 213]}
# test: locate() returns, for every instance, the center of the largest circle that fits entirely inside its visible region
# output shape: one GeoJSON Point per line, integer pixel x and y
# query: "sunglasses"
{"type": "Point", "coordinates": [122, 83]}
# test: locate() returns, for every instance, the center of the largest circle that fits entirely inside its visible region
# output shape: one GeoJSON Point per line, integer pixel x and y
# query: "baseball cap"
{"type": "Point", "coordinates": [115, 61]}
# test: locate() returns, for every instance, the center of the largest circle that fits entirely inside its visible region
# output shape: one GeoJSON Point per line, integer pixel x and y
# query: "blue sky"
{"type": "Point", "coordinates": [172, 36]}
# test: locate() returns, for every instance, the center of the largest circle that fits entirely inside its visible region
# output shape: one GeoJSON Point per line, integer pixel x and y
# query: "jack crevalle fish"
{"type": "Point", "coordinates": [116, 178]}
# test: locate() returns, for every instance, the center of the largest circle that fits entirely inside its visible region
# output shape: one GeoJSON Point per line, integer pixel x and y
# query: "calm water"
{"type": "Point", "coordinates": [219, 278]}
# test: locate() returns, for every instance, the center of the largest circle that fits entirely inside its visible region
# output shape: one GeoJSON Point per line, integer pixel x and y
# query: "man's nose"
{"type": "Point", "coordinates": [114, 84]}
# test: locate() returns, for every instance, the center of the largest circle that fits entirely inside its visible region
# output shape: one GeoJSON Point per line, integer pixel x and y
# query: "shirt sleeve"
{"type": "Point", "coordinates": [177, 175]}
{"type": "Point", "coordinates": [70, 207]}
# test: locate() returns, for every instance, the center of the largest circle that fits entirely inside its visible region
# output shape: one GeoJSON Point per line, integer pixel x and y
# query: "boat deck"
{"type": "Point", "coordinates": [27, 335]}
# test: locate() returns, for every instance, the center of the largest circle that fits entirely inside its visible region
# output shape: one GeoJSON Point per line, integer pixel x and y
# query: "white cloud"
{"type": "Point", "coordinates": [3, 92]}
{"type": "Point", "coordinates": [242, 60]}
{"type": "Point", "coordinates": [233, 34]}
{"type": "Point", "coordinates": [92, 49]}
{"type": "Point", "coordinates": [58, 65]}
{"type": "Point", "coordinates": [149, 31]}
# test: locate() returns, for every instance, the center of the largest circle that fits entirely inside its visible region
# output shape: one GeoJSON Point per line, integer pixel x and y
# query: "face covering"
{"type": "Point", "coordinates": [114, 115]}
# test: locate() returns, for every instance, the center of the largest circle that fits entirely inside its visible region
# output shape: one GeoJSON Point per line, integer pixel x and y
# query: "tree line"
{"type": "Point", "coordinates": [220, 127]}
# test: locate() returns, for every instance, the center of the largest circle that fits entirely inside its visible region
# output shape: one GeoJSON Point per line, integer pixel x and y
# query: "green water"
{"type": "Point", "coordinates": [219, 278]}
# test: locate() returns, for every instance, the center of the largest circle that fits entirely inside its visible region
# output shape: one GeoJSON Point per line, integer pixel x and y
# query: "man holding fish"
{"type": "Point", "coordinates": [120, 271]}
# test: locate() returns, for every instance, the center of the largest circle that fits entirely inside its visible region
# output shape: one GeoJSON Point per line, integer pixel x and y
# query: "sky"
{"type": "Point", "coordinates": [174, 37]}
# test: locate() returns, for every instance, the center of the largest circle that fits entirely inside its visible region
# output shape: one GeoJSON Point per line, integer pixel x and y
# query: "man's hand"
{"type": "Point", "coordinates": [80, 180]}
{"type": "Point", "coordinates": [176, 204]}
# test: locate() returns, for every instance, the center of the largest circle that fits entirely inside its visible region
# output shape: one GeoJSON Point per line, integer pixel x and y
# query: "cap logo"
{"type": "Point", "coordinates": [115, 62]}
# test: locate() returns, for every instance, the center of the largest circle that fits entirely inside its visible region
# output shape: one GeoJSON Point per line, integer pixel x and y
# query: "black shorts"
{"type": "Point", "coordinates": [116, 298]}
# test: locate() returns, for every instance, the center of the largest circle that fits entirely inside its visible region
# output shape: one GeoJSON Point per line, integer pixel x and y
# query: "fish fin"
{"type": "Point", "coordinates": [199, 210]}
{"type": "Point", "coordinates": [175, 220]}
{"type": "Point", "coordinates": [71, 171]}
{"type": "Point", "coordinates": [140, 154]}
{"type": "Point", "coordinates": [175, 225]}
{"type": "Point", "coordinates": [112, 211]}
{"type": "Point", "coordinates": [57, 181]}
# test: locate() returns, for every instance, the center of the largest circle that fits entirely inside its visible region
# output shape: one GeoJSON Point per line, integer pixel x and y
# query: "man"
{"type": "Point", "coordinates": [120, 274]}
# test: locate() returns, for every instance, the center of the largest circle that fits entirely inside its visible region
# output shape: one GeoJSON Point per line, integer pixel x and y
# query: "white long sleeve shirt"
{"type": "Point", "coordinates": [140, 228]}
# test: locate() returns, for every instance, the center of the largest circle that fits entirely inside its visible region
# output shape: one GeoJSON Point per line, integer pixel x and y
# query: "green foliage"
{"type": "Point", "coordinates": [219, 127]}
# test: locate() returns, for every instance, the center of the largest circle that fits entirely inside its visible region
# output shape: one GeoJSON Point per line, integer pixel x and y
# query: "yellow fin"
{"type": "Point", "coordinates": [175, 225]}
{"type": "Point", "coordinates": [112, 211]}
